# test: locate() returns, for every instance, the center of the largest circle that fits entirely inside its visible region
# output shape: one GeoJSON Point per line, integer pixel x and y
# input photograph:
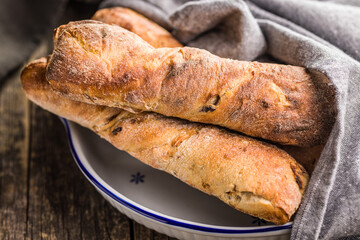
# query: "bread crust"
{"type": "Point", "coordinates": [158, 37]}
{"type": "Point", "coordinates": [102, 64]}
{"type": "Point", "coordinates": [149, 31]}
{"type": "Point", "coordinates": [251, 176]}
{"type": "Point", "coordinates": [307, 157]}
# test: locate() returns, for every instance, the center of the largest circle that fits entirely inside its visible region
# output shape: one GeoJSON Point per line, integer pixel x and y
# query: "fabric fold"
{"type": "Point", "coordinates": [22, 26]}
{"type": "Point", "coordinates": [225, 28]}
{"type": "Point", "coordinates": [334, 22]}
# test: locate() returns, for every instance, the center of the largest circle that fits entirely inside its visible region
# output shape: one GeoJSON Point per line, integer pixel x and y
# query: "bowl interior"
{"type": "Point", "coordinates": [152, 188]}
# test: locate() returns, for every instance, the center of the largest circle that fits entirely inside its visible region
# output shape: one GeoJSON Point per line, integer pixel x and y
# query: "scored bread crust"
{"type": "Point", "coordinates": [158, 37]}
{"type": "Point", "coordinates": [149, 31]}
{"type": "Point", "coordinates": [254, 177]}
{"type": "Point", "coordinates": [104, 64]}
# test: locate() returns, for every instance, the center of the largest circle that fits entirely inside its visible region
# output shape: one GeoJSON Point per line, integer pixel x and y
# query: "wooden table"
{"type": "Point", "coordinates": [43, 194]}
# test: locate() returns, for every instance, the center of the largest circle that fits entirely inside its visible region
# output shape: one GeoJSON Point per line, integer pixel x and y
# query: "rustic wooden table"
{"type": "Point", "coordinates": [43, 194]}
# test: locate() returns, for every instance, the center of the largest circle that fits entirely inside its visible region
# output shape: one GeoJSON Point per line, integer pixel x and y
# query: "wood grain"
{"type": "Point", "coordinates": [13, 160]}
{"type": "Point", "coordinates": [61, 204]}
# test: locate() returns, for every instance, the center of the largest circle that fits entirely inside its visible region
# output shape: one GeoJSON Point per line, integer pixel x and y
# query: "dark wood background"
{"type": "Point", "coordinates": [43, 194]}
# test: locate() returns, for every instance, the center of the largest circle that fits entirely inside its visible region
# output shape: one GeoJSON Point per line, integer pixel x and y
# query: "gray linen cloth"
{"type": "Point", "coordinates": [319, 35]}
{"type": "Point", "coordinates": [23, 24]}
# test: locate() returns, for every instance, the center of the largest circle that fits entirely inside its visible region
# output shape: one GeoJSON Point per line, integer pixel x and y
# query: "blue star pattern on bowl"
{"type": "Point", "coordinates": [258, 221]}
{"type": "Point", "coordinates": [137, 178]}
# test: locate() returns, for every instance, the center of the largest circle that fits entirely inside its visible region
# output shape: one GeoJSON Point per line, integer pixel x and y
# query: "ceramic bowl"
{"type": "Point", "coordinates": [158, 200]}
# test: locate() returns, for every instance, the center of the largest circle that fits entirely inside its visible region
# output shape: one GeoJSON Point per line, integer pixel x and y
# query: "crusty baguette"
{"type": "Point", "coordinates": [105, 64]}
{"type": "Point", "coordinates": [253, 177]}
{"type": "Point", "coordinates": [158, 37]}
{"type": "Point", "coordinates": [155, 35]}
{"type": "Point", "coordinates": [151, 32]}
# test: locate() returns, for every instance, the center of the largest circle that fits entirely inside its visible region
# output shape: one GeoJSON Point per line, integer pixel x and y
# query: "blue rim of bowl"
{"type": "Point", "coordinates": [156, 217]}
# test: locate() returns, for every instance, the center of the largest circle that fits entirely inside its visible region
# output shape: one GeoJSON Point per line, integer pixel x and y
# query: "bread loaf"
{"type": "Point", "coordinates": [158, 37]}
{"type": "Point", "coordinates": [107, 65]}
{"type": "Point", "coordinates": [253, 177]}
{"type": "Point", "coordinates": [149, 31]}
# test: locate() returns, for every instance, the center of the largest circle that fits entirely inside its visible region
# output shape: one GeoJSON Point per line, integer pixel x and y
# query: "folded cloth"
{"type": "Point", "coordinates": [23, 24]}
{"type": "Point", "coordinates": [322, 36]}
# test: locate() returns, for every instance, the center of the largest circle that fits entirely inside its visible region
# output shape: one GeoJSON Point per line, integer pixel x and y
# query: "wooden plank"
{"type": "Point", "coordinates": [13, 159]}
{"type": "Point", "coordinates": [62, 203]}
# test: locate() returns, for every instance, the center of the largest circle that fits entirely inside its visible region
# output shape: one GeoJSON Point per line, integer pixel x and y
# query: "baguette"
{"type": "Point", "coordinates": [107, 65]}
{"type": "Point", "coordinates": [254, 177]}
{"type": "Point", "coordinates": [158, 37]}
{"type": "Point", "coordinates": [149, 31]}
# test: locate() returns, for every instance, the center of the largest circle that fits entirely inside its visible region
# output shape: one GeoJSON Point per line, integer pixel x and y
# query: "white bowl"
{"type": "Point", "coordinates": [158, 200]}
